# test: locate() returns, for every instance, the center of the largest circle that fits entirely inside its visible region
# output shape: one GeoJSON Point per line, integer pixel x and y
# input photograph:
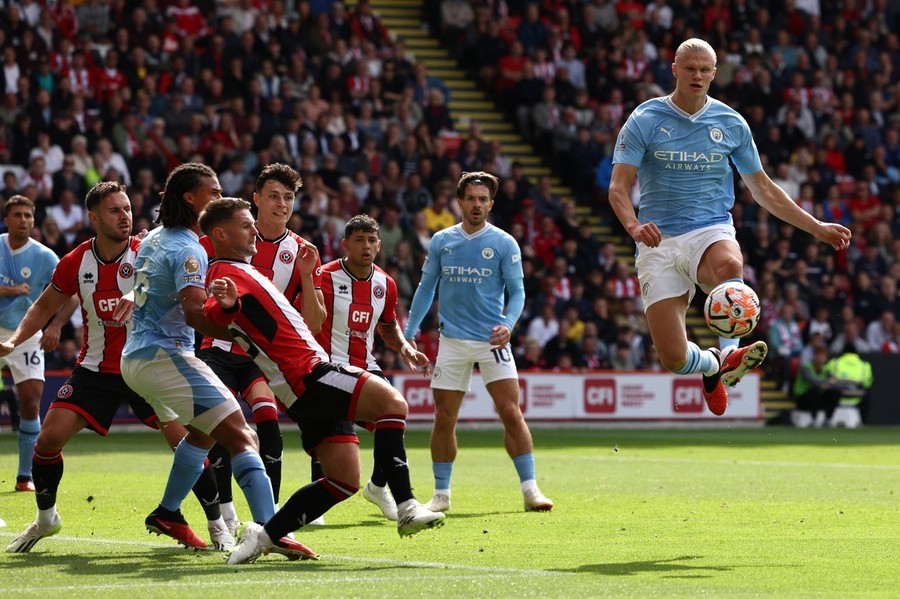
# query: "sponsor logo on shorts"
{"type": "Point", "coordinates": [436, 373]}
{"type": "Point", "coordinates": [378, 291]}
{"type": "Point", "coordinates": [65, 392]}
{"type": "Point", "coordinates": [645, 290]}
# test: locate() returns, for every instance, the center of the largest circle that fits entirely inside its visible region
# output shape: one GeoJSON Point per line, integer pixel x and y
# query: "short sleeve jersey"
{"type": "Point", "coordinates": [354, 309]}
{"type": "Point", "coordinates": [170, 260]}
{"type": "Point", "coordinates": [99, 286]}
{"type": "Point", "coordinates": [33, 263]}
{"type": "Point", "coordinates": [686, 181]}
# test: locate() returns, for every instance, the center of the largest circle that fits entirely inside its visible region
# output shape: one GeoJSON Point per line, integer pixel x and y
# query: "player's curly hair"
{"type": "Point", "coordinates": [99, 191]}
{"type": "Point", "coordinates": [219, 211]}
{"type": "Point", "coordinates": [282, 173]}
{"type": "Point", "coordinates": [477, 178]}
{"type": "Point", "coordinates": [174, 211]}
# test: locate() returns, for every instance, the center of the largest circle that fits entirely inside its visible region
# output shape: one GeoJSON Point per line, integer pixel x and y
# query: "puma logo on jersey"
{"type": "Point", "coordinates": [667, 131]}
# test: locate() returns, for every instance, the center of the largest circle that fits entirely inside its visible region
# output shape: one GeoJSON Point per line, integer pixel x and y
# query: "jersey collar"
{"type": "Point", "coordinates": [692, 117]}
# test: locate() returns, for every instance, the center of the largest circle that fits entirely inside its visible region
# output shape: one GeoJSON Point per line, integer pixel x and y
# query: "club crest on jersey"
{"type": "Point", "coordinates": [716, 135]}
{"type": "Point", "coordinates": [126, 270]}
{"type": "Point", "coordinates": [378, 291]}
{"type": "Point", "coordinates": [64, 392]}
{"type": "Point", "coordinates": [487, 253]}
{"type": "Point", "coordinates": [286, 257]}
{"type": "Point", "coordinates": [25, 272]}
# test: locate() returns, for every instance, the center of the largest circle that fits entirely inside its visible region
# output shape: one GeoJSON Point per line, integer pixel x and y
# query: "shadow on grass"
{"type": "Point", "coordinates": [673, 565]}
{"type": "Point", "coordinates": [170, 564]}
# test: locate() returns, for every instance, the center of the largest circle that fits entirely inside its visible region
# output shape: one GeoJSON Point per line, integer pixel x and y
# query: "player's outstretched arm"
{"type": "Point", "coordinates": [620, 199]}
{"type": "Point", "coordinates": [36, 317]}
{"type": "Point", "coordinates": [774, 199]}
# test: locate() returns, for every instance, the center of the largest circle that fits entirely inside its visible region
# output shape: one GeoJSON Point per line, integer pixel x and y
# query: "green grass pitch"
{"type": "Point", "coordinates": [709, 512]}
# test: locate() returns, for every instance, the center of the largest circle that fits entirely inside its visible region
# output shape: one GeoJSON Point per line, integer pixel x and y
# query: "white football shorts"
{"type": "Point", "coordinates": [456, 357]}
{"type": "Point", "coordinates": [670, 270]}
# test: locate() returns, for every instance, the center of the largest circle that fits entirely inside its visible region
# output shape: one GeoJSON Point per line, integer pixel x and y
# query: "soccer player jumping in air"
{"type": "Point", "coordinates": [679, 147]}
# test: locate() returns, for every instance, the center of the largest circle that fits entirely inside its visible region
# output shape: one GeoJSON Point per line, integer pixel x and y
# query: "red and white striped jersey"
{"type": "Point", "coordinates": [99, 286]}
{"type": "Point", "coordinates": [354, 308]}
{"type": "Point", "coordinates": [277, 260]}
{"type": "Point", "coordinates": [267, 327]}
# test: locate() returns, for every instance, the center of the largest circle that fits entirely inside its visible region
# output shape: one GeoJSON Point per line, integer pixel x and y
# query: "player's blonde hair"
{"type": "Point", "coordinates": [695, 44]}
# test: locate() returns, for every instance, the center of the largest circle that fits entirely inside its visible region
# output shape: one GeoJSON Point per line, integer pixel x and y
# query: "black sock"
{"type": "Point", "coordinates": [207, 494]}
{"type": "Point", "coordinates": [220, 462]}
{"type": "Point", "coordinates": [306, 505]}
{"type": "Point", "coordinates": [271, 449]}
{"type": "Point", "coordinates": [378, 479]}
{"type": "Point", "coordinates": [315, 470]}
{"type": "Point", "coordinates": [390, 455]}
{"type": "Point", "coordinates": [46, 472]}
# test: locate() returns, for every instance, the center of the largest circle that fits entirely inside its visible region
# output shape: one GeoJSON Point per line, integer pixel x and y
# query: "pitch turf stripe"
{"type": "Point", "coordinates": [489, 570]}
{"type": "Point", "coordinates": [887, 467]}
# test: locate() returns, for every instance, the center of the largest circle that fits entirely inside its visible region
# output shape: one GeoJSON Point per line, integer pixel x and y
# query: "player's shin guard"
{"type": "Point", "coordinates": [271, 445]}
{"type": "Point", "coordinates": [254, 482]}
{"type": "Point", "coordinates": [207, 494]}
{"type": "Point", "coordinates": [47, 470]}
{"type": "Point", "coordinates": [307, 504]}
{"type": "Point", "coordinates": [186, 468]}
{"type": "Point", "coordinates": [220, 463]}
{"type": "Point", "coordinates": [28, 434]}
{"type": "Point", "coordinates": [390, 455]}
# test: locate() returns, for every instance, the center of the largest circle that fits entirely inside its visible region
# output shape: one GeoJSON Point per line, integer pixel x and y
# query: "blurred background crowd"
{"type": "Point", "coordinates": [95, 90]}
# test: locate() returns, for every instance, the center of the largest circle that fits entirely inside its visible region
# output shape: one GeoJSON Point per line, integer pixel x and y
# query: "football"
{"type": "Point", "coordinates": [732, 310]}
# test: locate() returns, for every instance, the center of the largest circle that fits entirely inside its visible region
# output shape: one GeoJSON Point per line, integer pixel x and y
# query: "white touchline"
{"type": "Point", "coordinates": [490, 570]}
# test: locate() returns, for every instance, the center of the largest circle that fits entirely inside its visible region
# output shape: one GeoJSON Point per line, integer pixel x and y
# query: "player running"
{"type": "Point", "coordinates": [324, 398]}
{"type": "Point", "coordinates": [475, 262]}
{"type": "Point", "coordinates": [100, 273]}
{"type": "Point", "coordinates": [361, 298]}
{"type": "Point", "coordinates": [276, 257]}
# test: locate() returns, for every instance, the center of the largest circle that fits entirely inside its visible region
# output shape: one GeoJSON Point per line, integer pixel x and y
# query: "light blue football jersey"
{"type": "Point", "coordinates": [170, 259]}
{"type": "Point", "coordinates": [33, 263]}
{"type": "Point", "coordinates": [473, 271]}
{"type": "Point", "coordinates": [685, 178]}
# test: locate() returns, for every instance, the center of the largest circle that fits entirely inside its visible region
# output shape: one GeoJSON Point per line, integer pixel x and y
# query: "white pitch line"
{"type": "Point", "coordinates": [888, 467]}
{"type": "Point", "coordinates": [490, 570]}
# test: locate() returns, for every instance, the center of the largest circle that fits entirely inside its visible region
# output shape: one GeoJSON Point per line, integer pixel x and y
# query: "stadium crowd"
{"type": "Point", "coordinates": [111, 90]}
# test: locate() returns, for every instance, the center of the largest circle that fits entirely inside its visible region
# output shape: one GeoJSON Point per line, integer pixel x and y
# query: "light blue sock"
{"type": "Point", "coordinates": [699, 360]}
{"type": "Point", "coordinates": [251, 477]}
{"type": "Point", "coordinates": [28, 434]}
{"type": "Point", "coordinates": [186, 469]}
{"type": "Point", "coordinates": [442, 472]}
{"type": "Point", "coordinates": [524, 466]}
